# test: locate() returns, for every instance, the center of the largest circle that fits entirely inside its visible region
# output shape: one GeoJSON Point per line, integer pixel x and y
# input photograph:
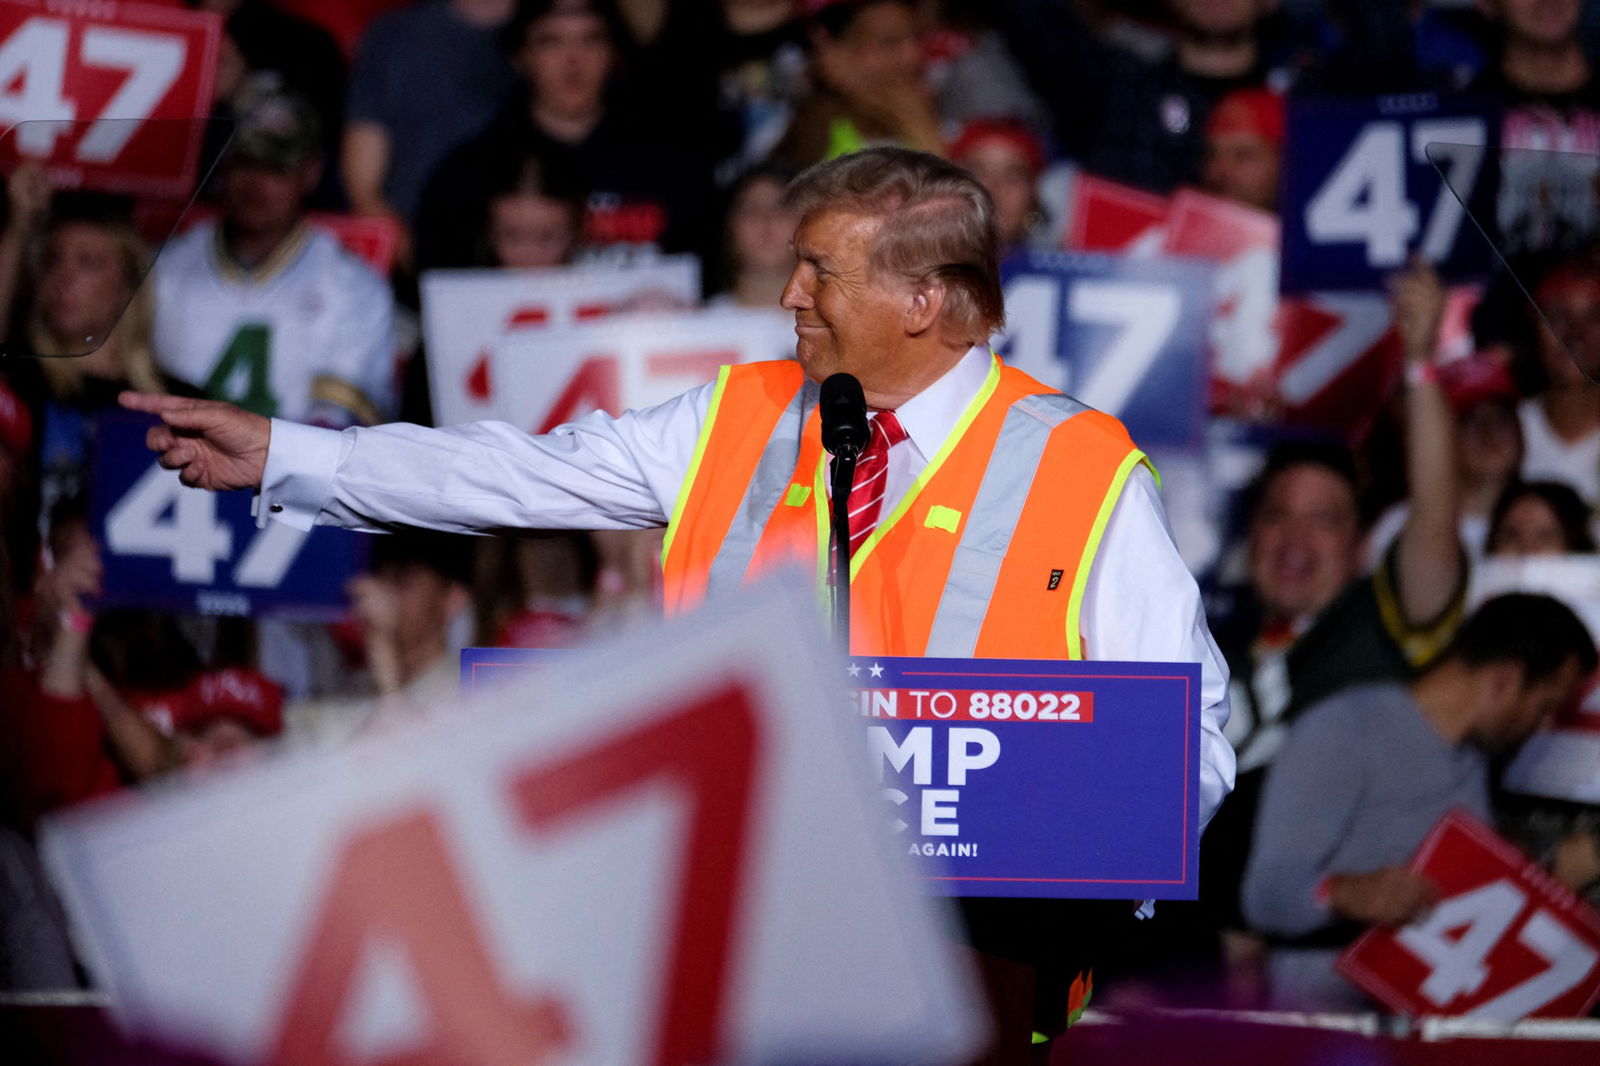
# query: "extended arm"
{"type": "Point", "coordinates": [1429, 563]}
{"type": "Point", "coordinates": [599, 472]}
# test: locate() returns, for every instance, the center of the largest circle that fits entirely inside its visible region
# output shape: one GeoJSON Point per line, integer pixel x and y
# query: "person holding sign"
{"type": "Point", "coordinates": [1364, 775]}
{"type": "Point", "coordinates": [981, 472]}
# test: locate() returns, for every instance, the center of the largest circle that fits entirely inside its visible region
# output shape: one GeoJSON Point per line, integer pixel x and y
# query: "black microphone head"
{"type": "Point", "coordinates": [844, 415]}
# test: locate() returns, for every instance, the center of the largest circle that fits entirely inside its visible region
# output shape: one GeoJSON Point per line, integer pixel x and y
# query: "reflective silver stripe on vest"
{"type": "Point", "coordinates": [994, 517]}
{"type": "Point", "coordinates": [767, 487]}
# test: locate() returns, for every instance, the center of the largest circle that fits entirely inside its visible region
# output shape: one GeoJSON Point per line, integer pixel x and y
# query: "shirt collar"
{"type": "Point", "coordinates": [930, 415]}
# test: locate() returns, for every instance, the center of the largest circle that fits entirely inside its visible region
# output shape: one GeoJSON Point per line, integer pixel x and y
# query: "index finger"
{"type": "Point", "coordinates": [149, 402]}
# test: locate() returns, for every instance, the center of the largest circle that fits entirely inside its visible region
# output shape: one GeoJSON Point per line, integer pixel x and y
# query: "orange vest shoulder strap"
{"type": "Point", "coordinates": [748, 405]}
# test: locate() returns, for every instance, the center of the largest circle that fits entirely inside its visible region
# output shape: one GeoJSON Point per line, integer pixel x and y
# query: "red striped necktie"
{"type": "Point", "coordinates": [872, 477]}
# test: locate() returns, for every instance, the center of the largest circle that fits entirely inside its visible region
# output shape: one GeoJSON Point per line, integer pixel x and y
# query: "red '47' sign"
{"type": "Point", "coordinates": [107, 95]}
{"type": "Point", "coordinates": [1505, 941]}
{"type": "Point", "coordinates": [653, 854]}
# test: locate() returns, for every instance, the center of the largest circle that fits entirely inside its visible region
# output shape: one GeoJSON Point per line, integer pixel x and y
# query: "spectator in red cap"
{"type": "Point", "coordinates": [1244, 148]}
{"type": "Point", "coordinates": [1007, 157]}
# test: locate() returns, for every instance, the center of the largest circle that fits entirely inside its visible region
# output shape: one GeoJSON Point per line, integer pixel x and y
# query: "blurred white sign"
{"type": "Point", "coordinates": [466, 313]}
{"type": "Point", "coordinates": [661, 851]}
{"type": "Point", "coordinates": [632, 361]}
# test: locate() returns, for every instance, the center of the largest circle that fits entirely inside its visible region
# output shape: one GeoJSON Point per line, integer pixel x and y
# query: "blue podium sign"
{"type": "Point", "coordinates": [169, 547]}
{"type": "Point", "coordinates": [1022, 778]}
{"type": "Point", "coordinates": [1362, 190]}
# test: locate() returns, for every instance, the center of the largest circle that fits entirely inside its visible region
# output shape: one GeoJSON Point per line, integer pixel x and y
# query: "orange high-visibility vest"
{"type": "Point", "coordinates": [987, 555]}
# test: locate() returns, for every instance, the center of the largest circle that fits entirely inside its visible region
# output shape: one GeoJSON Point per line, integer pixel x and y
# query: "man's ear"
{"type": "Point", "coordinates": [924, 308]}
{"type": "Point", "coordinates": [1501, 683]}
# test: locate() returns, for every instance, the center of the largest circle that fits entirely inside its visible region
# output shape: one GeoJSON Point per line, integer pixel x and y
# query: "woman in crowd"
{"type": "Point", "coordinates": [1539, 518]}
{"type": "Point", "coordinates": [1008, 158]}
{"type": "Point", "coordinates": [1561, 420]}
{"type": "Point", "coordinates": [759, 258]}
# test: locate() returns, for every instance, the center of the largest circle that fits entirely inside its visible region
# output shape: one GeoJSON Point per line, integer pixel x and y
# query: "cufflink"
{"type": "Point", "coordinates": [275, 508]}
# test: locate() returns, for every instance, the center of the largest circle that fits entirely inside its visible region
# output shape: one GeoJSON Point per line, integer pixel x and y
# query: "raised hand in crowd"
{"type": "Point", "coordinates": [1417, 297]}
{"type": "Point", "coordinates": [1392, 896]}
{"type": "Point", "coordinates": [63, 592]}
{"type": "Point", "coordinates": [1429, 561]}
{"type": "Point", "coordinates": [28, 192]}
{"type": "Point", "coordinates": [213, 445]}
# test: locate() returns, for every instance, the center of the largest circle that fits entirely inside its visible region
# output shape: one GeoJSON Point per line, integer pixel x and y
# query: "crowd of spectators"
{"type": "Point", "coordinates": [517, 134]}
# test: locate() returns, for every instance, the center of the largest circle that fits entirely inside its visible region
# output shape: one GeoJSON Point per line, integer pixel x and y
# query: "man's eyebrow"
{"type": "Point", "coordinates": [811, 255]}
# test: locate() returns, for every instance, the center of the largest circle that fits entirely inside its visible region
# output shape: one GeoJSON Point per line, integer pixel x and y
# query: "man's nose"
{"type": "Point", "coordinates": [795, 297]}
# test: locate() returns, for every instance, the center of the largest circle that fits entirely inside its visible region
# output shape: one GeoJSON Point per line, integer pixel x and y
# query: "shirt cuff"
{"type": "Point", "coordinates": [298, 479]}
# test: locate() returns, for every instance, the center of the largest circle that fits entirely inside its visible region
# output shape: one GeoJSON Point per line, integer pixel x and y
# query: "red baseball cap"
{"type": "Point", "coordinates": [1252, 111]}
{"type": "Point", "coordinates": [1014, 133]}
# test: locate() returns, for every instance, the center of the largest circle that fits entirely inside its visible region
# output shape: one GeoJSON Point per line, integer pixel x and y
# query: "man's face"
{"type": "Point", "coordinates": [1528, 709]}
{"type": "Point", "coordinates": [1242, 167]}
{"type": "Point", "coordinates": [261, 199]}
{"type": "Point", "coordinates": [1304, 541]}
{"type": "Point", "coordinates": [845, 318]}
{"type": "Point", "coordinates": [567, 59]}
{"type": "Point", "coordinates": [1540, 22]}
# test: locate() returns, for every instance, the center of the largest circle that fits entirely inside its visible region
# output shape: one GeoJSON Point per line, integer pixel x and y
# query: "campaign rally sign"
{"type": "Point", "coordinates": [1107, 216]}
{"type": "Point", "coordinates": [1361, 194]}
{"type": "Point", "coordinates": [1125, 336]}
{"type": "Point", "coordinates": [107, 95]}
{"type": "Point", "coordinates": [659, 851]}
{"type": "Point", "coordinates": [169, 547]}
{"type": "Point", "coordinates": [546, 379]}
{"type": "Point", "coordinates": [1325, 359]}
{"type": "Point", "coordinates": [467, 314]}
{"type": "Point", "coordinates": [1505, 941]}
{"type": "Point", "coordinates": [1012, 777]}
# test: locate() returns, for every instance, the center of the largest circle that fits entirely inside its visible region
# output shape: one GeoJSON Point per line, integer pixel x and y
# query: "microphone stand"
{"type": "Point", "coordinates": [844, 473]}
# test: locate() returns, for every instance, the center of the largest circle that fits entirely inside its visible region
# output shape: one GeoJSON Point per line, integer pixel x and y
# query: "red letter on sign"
{"type": "Point", "coordinates": [395, 884]}
{"type": "Point", "coordinates": [711, 748]}
{"type": "Point", "coordinates": [593, 388]}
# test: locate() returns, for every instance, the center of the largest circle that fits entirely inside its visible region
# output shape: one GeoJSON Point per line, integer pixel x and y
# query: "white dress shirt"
{"type": "Point", "coordinates": [602, 472]}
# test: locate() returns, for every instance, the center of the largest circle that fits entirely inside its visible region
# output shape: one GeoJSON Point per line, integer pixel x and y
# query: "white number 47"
{"type": "Point", "coordinates": [1364, 200]}
{"type": "Point", "coordinates": [160, 516]}
{"type": "Point", "coordinates": [33, 63]}
{"type": "Point", "coordinates": [1480, 919]}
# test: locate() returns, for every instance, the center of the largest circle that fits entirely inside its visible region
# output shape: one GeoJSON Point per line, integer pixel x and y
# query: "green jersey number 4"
{"type": "Point", "coordinates": [242, 376]}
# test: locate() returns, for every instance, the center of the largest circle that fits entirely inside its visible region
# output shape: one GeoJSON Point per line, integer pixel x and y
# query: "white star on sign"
{"type": "Point", "coordinates": [855, 671]}
{"type": "Point", "coordinates": [876, 670]}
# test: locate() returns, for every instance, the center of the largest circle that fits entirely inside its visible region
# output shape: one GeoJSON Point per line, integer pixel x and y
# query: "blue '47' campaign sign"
{"type": "Point", "coordinates": [1361, 193]}
{"type": "Point", "coordinates": [1021, 777]}
{"type": "Point", "coordinates": [169, 547]}
{"type": "Point", "coordinates": [1125, 336]}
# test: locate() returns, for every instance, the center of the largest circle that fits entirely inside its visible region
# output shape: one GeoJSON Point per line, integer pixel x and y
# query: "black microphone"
{"type": "Point", "coordinates": [844, 416]}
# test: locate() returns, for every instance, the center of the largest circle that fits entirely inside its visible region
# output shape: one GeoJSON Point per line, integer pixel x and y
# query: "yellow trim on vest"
{"type": "Point", "coordinates": [819, 507]}
{"type": "Point", "coordinates": [1080, 580]}
{"type": "Point", "coordinates": [694, 461]}
{"type": "Point", "coordinates": [942, 517]}
{"type": "Point", "coordinates": [797, 495]}
{"type": "Point", "coordinates": [963, 423]}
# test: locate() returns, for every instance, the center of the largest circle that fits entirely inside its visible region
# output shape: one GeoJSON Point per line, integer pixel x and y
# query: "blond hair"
{"type": "Point", "coordinates": [133, 330]}
{"type": "Point", "coordinates": [938, 226]}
